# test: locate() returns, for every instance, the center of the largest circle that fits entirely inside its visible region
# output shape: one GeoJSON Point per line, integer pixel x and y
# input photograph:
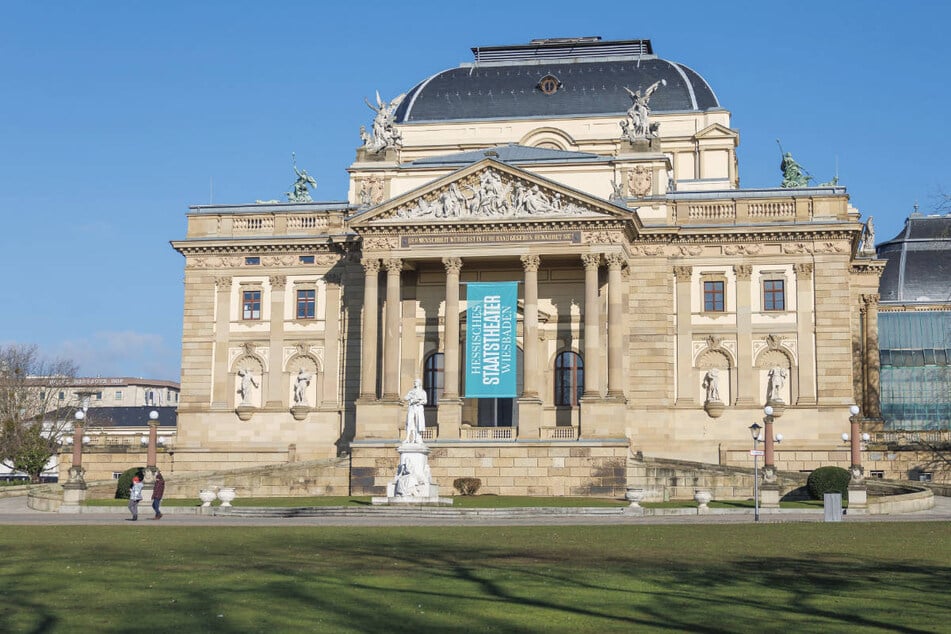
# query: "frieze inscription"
{"type": "Point", "coordinates": [574, 237]}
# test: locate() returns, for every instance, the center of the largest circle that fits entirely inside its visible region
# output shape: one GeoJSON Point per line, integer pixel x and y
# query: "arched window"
{"type": "Point", "coordinates": [569, 378]}
{"type": "Point", "coordinates": [433, 378]}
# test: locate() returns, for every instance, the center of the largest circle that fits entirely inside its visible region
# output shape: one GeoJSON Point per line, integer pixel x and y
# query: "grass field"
{"type": "Point", "coordinates": [816, 577]}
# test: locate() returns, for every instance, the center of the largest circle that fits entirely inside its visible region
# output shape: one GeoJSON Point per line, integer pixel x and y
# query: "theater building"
{"type": "Point", "coordinates": [658, 307]}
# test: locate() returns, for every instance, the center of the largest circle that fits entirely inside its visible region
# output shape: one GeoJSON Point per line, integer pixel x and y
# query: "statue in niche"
{"type": "Point", "coordinates": [301, 384]}
{"type": "Point", "coordinates": [636, 127]}
{"type": "Point", "coordinates": [711, 384]}
{"type": "Point", "coordinates": [300, 193]}
{"type": "Point", "coordinates": [383, 135]}
{"type": "Point", "coordinates": [245, 388]}
{"type": "Point", "coordinates": [774, 388]}
{"type": "Point", "coordinates": [415, 415]}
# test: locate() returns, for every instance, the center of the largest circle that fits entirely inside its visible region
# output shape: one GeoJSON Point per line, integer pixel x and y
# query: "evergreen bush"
{"type": "Point", "coordinates": [828, 480]}
{"type": "Point", "coordinates": [467, 486]}
{"type": "Point", "coordinates": [125, 482]}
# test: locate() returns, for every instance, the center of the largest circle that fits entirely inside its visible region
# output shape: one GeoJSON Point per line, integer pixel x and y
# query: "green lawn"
{"type": "Point", "coordinates": [153, 577]}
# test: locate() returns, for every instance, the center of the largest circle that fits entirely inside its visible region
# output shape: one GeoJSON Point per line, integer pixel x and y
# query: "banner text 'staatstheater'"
{"type": "Point", "coordinates": [490, 339]}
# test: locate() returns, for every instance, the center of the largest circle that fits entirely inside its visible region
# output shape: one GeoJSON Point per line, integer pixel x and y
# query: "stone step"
{"type": "Point", "coordinates": [413, 511]}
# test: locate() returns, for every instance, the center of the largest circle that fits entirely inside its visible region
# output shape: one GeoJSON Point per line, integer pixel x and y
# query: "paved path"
{"type": "Point", "coordinates": [14, 511]}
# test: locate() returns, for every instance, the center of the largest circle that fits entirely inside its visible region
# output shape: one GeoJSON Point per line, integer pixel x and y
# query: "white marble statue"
{"type": "Point", "coordinates": [383, 135]}
{"type": "Point", "coordinates": [774, 389]}
{"type": "Point", "coordinates": [300, 387]}
{"type": "Point", "coordinates": [711, 383]}
{"type": "Point", "coordinates": [245, 388]}
{"type": "Point", "coordinates": [636, 127]}
{"type": "Point", "coordinates": [415, 415]}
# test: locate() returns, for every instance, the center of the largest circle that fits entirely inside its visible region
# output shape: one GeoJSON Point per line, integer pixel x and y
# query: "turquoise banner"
{"type": "Point", "coordinates": [490, 339]}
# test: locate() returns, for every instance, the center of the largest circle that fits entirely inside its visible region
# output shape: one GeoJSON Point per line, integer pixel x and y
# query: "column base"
{"type": "Point", "coordinates": [601, 418]}
{"type": "Point", "coordinates": [858, 497]}
{"type": "Point", "coordinates": [378, 420]}
{"type": "Point", "coordinates": [529, 417]}
{"type": "Point", "coordinates": [450, 418]}
{"type": "Point", "coordinates": [769, 496]}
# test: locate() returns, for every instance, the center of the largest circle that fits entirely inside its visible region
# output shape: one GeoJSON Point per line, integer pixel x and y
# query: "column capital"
{"type": "Point", "coordinates": [683, 273]}
{"type": "Point", "coordinates": [371, 265]}
{"type": "Point", "coordinates": [803, 269]}
{"type": "Point", "coordinates": [278, 281]}
{"type": "Point", "coordinates": [531, 262]}
{"type": "Point", "coordinates": [614, 260]}
{"type": "Point", "coordinates": [871, 300]}
{"type": "Point", "coordinates": [223, 282]}
{"type": "Point", "coordinates": [743, 271]}
{"type": "Point", "coordinates": [393, 265]}
{"type": "Point", "coordinates": [333, 278]}
{"type": "Point", "coordinates": [453, 265]}
{"type": "Point", "coordinates": [591, 260]}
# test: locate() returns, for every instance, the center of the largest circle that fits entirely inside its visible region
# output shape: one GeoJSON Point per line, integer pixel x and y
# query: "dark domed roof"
{"type": "Point", "coordinates": [585, 77]}
{"type": "Point", "coordinates": [919, 262]}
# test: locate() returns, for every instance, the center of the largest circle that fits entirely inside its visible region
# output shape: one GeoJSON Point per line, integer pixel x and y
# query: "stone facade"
{"type": "Point", "coordinates": [642, 259]}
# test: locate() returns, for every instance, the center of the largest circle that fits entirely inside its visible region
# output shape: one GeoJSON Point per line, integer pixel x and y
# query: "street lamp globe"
{"type": "Point", "coordinates": [845, 437]}
{"type": "Point", "coordinates": [80, 415]}
{"type": "Point", "coordinates": [854, 410]}
{"type": "Point", "coordinates": [768, 410]}
{"type": "Point", "coordinates": [153, 415]}
{"type": "Point", "coordinates": [779, 438]}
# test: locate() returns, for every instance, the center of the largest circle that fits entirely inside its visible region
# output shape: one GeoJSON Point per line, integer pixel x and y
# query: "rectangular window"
{"type": "Point", "coordinates": [306, 259]}
{"type": "Point", "coordinates": [98, 396]}
{"type": "Point", "coordinates": [251, 305]}
{"type": "Point", "coordinates": [252, 260]}
{"type": "Point", "coordinates": [876, 474]}
{"type": "Point", "coordinates": [118, 395]}
{"type": "Point", "coordinates": [306, 303]}
{"type": "Point", "coordinates": [713, 297]}
{"type": "Point", "coordinates": [774, 295]}
{"type": "Point", "coordinates": [116, 475]}
{"type": "Point", "coordinates": [42, 396]}
{"type": "Point", "coordinates": [925, 476]}
{"type": "Point", "coordinates": [62, 395]}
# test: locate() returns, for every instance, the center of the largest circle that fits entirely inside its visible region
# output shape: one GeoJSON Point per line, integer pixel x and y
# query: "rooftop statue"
{"type": "Point", "coordinates": [868, 238]}
{"type": "Point", "coordinates": [304, 180]}
{"type": "Point", "coordinates": [636, 127]}
{"type": "Point", "coordinates": [793, 173]}
{"type": "Point", "coordinates": [383, 135]}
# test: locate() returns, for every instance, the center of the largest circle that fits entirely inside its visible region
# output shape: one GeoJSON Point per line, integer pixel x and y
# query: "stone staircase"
{"type": "Point", "coordinates": [666, 479]}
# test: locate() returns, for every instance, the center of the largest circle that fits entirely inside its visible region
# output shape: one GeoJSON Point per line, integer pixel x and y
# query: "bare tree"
{"type": "Point", "coordinates": [33, 417]}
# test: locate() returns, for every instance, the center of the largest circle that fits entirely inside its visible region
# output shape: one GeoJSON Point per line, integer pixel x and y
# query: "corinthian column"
{"type": "Point", "coordinates": [391, 343]}
{"type": "Point", "coordinates": [615, 327]}
{"type": "Point", "coordinates": [592, 323]}
{"type": "Point", "coordinates": [221, 388]}
{"type": "Point", "coordinates": [744, 335]}
{"type": "Point", "coordinates": [371, 270]}
{"type": "Point", "coordinates": [530, 326]}
{"type": "Point", "coordinates": [451, 343]}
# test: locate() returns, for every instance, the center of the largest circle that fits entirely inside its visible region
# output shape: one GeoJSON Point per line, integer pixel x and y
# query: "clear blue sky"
{"type": "Point", "coordinates": [116, 116]}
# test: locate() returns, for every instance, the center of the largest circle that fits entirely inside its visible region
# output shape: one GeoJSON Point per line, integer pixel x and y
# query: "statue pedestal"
{"type": "Point", "coordinates": [413, 481]}
{"type": "Point", "coordinates": [769, 496]}
{"type": "Point", "coordinates": [74, 494]}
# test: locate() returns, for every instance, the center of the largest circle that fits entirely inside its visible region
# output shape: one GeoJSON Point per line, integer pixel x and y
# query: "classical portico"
{"type": "Point", "coordinates": [515, 241]}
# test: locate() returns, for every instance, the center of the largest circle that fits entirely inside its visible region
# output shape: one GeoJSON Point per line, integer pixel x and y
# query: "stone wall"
{"type": "Point", "coordinates": [581, 468]}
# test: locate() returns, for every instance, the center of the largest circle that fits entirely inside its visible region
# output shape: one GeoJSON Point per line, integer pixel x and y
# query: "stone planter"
{"type": "Point", "coordinates": [207, 496]}
{"type": "Point", "coordinates": [299, 412]}
{"type": "Point", "coordinates": [702, 497]}
{"type": "Point", "coordinates": [226, 495]}
{"type": "Point", "coordinates": [634, 496]}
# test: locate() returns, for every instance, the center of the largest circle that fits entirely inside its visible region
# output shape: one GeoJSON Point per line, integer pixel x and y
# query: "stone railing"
{"type": "Point", "coordinates": [931, 437]}
{"type": "Point", "coordinates": [757, 206]}
{"type": "Point", "coordinates": [562, 432]}
{"type": "Point", "coordinates": [253, 224]}
{"type": "Point", "coordinates": [711, 212]}
{"type": "Point", "coordinates": [298, 223]}
{"type": "Point", "coordinates": [780, 210]}
{"type": "Point", "coordinates": [487, 433]}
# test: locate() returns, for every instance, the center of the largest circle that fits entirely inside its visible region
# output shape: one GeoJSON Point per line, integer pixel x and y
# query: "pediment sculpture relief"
{"type": "Point", "coordinates": [491, 194]}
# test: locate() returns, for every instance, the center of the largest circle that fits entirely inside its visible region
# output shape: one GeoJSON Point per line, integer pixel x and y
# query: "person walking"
{"type": "Point", "coordinates": [158, 490]}
{"type": "Point", "coordinates": [135, 496]}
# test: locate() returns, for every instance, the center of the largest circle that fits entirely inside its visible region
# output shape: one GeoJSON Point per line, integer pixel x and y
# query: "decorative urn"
{"type": "Point", "coordinates": [207, 496]}
{"type": "Point", "coordinates": [226, 495]}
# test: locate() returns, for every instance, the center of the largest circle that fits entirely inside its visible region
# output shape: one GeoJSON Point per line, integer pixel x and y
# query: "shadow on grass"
{"type": "Point", "coordinates": [428, 579]}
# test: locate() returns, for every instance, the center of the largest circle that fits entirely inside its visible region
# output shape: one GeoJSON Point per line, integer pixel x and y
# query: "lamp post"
{"type": "Point", "coordinates": [151, 467]}
{"type": "Point", "coordinates": [858, 494]}
{"type": "Point", "coordinates": [754, 430]}
{"type": "Point", "coordinates": [76, 470]}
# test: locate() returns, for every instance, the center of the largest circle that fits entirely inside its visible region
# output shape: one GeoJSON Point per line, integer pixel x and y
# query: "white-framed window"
{"type": "Point", "coordinates": [118, 395]}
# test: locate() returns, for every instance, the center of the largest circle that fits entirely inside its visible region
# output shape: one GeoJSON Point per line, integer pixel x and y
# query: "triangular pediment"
{"type": "Point", "coordinates": [490, 191]}
{"type": "Point", "coordinates": [716, 131]}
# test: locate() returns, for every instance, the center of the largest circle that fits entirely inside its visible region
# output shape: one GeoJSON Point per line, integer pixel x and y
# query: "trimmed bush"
{"type": "Point", "coordinates": [124, 485]}
{"type": "Point", "coordinates": [467, 486]}
{"type": "Point", "coordinates": [828, 480]}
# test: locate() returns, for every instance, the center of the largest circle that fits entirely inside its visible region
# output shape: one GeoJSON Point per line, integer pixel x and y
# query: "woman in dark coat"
{"type": "Point", "coordinates": [158, 490]}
